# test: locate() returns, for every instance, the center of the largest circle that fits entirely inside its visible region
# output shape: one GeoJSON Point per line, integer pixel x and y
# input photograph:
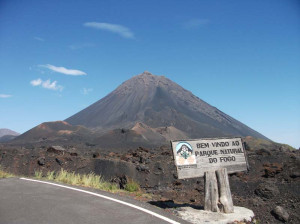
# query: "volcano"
{"type": "Point", "coordinates": [157, 108]}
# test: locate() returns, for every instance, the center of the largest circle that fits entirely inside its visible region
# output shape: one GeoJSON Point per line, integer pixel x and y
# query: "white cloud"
{"type": "Point", "coordinates": [64, 70]}
{"type": "Point", "coordinates": [86, 91]}
{"type": "Point", "coordinates": [36, 82]}
{"type": "Point", "coordinates": [47, 84]}
{"type": "Point", "coordinates": [114, 28]}
{"type": "Point", "coordinates": [195, 23]}
{"type": "Point", "coordinates": [39, 39]}
{"type": "Point", "coordinates": [5, 96]}
{"type": "Point", "coordinates": [51, 85]}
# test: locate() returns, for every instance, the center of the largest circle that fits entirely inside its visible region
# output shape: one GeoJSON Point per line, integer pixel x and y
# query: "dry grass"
{"type": "Point", "coordinates": [50, 175]}
{"type": "Point", "coordinates": [87, 180]}
{"type": "Point", "coordinates": [38, 174]}
{"type": "Point", "coordinates": [4, 174]}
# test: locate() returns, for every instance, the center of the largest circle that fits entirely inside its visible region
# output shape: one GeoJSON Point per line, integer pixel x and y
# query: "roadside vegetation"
{"type": "Point", "coordinates": [132, 186]}
{"type": "Point", "coordinates": [4, 174]}
{"type": "Point", "coordinates": [86, 180]}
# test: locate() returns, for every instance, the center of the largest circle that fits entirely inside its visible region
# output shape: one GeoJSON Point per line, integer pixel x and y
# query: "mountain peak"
{"type": "Point", "coordinates": [146, 73]}
{"type": "Point", "coordinates": [145, 82]}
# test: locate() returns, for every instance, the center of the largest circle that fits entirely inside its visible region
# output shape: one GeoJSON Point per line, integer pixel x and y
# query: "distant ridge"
{"type": "Point", "coordinates": [6, 131]}
{"type": "Point", "coordinates": [155, 102]}
{"type": "Point", "coordinates": [54, 131]}
{"type": "Point", "coordinates": [7, 134]}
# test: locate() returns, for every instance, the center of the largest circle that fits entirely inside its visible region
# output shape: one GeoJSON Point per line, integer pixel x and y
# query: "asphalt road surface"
{"type": "Point", "coordinates": [24, 201]}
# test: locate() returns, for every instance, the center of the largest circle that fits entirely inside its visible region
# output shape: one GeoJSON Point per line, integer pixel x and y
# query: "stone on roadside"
{"type": "Point", "coordinates": [280, 213]}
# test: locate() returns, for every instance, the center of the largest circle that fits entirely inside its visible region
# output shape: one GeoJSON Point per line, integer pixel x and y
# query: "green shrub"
{"type": "Point", "coordinates": [106, 186]}
{"type": "Point", "coordinates": [132, 186]}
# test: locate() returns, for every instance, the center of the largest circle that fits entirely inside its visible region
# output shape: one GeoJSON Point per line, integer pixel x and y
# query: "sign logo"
{"type": "Point", "coordinates": [185, 154]}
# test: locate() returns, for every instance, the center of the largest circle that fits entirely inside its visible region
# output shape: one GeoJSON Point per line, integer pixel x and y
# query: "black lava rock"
{"type": "Point", "coordinates": [266, 191]}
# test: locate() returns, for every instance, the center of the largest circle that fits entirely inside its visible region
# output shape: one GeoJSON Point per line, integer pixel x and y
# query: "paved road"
{"type": "Point", "coordinates": [24, 201]}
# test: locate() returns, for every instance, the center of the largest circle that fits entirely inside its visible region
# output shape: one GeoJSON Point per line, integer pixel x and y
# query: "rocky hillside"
{"type": "Point", "coordinates": [56, 131]}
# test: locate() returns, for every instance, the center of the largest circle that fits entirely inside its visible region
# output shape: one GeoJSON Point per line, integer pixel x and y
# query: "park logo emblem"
{"type": "Point", "coordinates": [185, 154]}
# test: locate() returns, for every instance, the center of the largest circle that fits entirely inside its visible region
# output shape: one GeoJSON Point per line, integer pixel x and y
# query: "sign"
{"type": "Point", "coordinates": [194, 157]}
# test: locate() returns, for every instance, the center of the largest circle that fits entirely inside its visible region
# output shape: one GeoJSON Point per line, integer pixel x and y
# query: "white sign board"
{"type": "Point", "coordinates": [194, 157]}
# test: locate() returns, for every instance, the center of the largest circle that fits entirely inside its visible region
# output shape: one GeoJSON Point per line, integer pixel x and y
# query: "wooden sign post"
{"type": "Point", "coordinates": [213, 159]}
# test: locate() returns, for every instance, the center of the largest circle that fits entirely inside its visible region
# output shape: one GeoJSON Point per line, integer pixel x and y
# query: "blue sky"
{"type": "Point", "coordinates": [57, 57]}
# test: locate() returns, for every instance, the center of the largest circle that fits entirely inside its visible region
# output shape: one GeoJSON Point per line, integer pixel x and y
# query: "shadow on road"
{"type": "Point", "coordinates": [172, 204]}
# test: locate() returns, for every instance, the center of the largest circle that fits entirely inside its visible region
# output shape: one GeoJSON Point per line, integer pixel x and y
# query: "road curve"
{"type": "Point", "coordinates": [25, 201]}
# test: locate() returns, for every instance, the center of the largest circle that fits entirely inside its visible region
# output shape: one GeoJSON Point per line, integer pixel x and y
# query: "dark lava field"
{"type": "Point", "coordinates": [273, 179]}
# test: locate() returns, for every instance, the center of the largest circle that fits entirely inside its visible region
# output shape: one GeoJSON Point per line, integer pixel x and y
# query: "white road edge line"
{"type": "Point", "coordinates": [108, 198]}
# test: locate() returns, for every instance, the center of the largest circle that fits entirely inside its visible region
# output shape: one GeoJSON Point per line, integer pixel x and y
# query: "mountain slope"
{"type": "Point", "coordinates": [5, 131]}
{"type": "Point", "coordinates": [159, 102]}
{"type": "Point", "coordinates": [54, 131]}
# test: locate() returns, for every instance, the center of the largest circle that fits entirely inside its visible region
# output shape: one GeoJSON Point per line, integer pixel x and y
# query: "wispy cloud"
{"type": "Point", "coordinates": [114, 28]}
{"type": "Point", "coordinates": [64, 70]}
{"type": "Point", "coordinates": [195, 23]}
{"type": "Point", "coordinates": [39, 39]}
{"type": "Point", "coordinates": [5, 96]}
{"type": "Point", "coordinates": [36, 82]}
{"type": "Point", "coordinates": [80, 46]}
{"type": "Point", "coordinates": [47, 84]}
{"type": "Point", "coordinates": [86, 91]}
